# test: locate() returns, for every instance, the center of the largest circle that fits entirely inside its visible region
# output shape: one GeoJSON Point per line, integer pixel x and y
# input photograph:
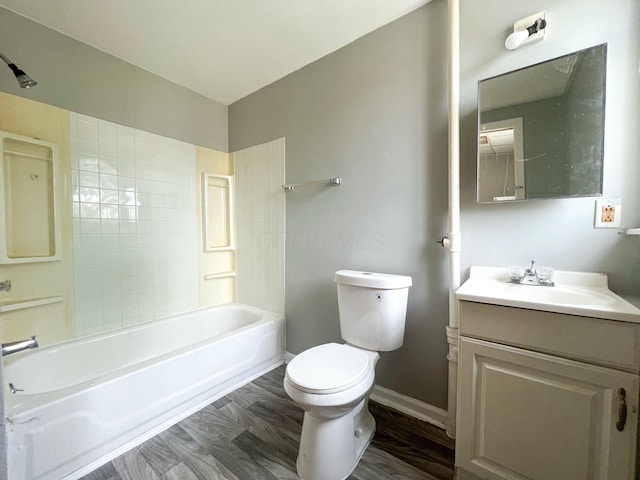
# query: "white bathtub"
{"type": "Point", "coordinates": [86, 401]}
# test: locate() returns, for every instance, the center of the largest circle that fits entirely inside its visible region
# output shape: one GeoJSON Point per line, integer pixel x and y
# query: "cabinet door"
{"type": "Point", "coordinates": [525, 415]}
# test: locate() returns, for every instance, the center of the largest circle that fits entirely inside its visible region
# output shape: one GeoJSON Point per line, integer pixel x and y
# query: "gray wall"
{"type": "Point", "coordinates": [558, 233]}
{"type": "Point", "coordinates": [82, 79]}
{"type": "Point", "coordinates": [373, 113]}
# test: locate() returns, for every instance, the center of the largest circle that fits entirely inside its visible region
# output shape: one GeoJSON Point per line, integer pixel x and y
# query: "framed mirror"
{"type": "Point", "coordinates": [541, 129]}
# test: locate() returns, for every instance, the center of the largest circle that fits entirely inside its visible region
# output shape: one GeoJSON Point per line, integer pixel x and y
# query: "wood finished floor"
{"type": "Point", "coordinates": [253, 434]}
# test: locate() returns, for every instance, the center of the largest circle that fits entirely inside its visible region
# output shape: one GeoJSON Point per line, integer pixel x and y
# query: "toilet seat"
{"type": "Point", "coordinates": [328, 368]}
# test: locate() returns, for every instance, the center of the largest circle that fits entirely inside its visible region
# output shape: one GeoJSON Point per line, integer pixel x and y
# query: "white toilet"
{"type": "Point", "coordinates": [332, 382]}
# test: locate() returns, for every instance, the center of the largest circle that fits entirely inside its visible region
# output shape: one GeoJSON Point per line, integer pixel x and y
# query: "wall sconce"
{"type": "Point", "coordinates": [24, 80]}
{"type": "Point", "coordinates": [527, 30]}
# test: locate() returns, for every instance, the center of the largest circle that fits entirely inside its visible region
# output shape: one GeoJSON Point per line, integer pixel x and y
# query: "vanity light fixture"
{"type": "Point", "coordinates": [527, 30]}
{"type": "Point", "coordinates": [24, 80]}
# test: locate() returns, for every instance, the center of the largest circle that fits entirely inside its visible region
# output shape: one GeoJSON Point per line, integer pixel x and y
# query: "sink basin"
{"type": "Point", "coordinates": [575, 293]}
{"type": "Point", "coordinates": [558, 295]}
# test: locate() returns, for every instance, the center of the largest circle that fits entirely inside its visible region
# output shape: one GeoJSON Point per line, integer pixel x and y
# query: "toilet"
{"type": "Point", "coordinates": [332, 382]}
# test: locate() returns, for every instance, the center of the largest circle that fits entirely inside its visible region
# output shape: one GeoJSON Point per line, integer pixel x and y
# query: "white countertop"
{"type": "Point", "coordinates": [575, 293]}
{"type": "Point", "coordinates": [635, 301]}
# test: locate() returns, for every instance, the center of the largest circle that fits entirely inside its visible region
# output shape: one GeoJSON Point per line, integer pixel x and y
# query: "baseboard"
{"type": "Point", "coordinates": [402, 403]}
{"type": "Point", "coordinates": [288, 356]}
{"type": "Point", "coordinates": [410, 406]}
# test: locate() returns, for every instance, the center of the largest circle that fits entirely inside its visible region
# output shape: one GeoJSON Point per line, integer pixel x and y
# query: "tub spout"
{"type": "Point", "coordinates": [14, 389]}
{"type": "Point", "coordinates": [13, 347]}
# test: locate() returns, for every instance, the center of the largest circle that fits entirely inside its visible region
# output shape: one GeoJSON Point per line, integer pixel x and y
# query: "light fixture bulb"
{"type": "Point", "coordinates": [24, 80]}
{"type": "Point", "coordinates": [514, 40]}
{"type": "Point", "coordinates": [526, 30]}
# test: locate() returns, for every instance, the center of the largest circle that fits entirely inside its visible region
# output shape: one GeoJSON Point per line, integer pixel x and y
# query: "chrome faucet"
{"type": "Point", "coordinates": [531, 276]}
{"type": "Point", "coordinates": [20, 345]}
{"type": "Point", "coordinates": [5, 286]}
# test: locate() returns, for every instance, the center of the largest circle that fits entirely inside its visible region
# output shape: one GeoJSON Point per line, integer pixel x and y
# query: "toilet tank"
{"type": "Point", "coordinates": [372, 308]}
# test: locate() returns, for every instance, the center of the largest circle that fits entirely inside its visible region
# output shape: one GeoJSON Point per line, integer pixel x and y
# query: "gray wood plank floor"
{"type": "Point", "coordinates": [253, 433]}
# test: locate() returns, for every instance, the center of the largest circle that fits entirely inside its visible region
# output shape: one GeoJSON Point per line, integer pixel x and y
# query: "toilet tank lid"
{"type": "Point", "coordinates": [385, 281]}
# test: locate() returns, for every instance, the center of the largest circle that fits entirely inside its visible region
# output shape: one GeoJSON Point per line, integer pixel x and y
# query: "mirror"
{"type": "Point", "coordinates": [541, 129]}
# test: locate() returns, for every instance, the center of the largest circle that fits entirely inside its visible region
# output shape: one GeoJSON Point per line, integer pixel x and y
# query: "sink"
{"type": "Point", "coordinates": [576, 293]}
{"type": "Point", "coordinates": [558, 295]}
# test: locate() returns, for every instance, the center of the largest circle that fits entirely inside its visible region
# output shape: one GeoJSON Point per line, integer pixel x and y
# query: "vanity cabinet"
{"type": "Point", "coordinates": [544, 395]}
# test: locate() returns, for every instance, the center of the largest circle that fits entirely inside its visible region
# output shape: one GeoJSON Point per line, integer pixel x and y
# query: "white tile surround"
{"type": "Point", "coordinates": [134, 225]}
{"type": "Point", "coordinates": [260, 225]}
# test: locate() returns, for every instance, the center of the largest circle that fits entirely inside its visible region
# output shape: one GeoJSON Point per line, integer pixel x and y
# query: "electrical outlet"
{"type": "Point", "coordinates": [608, 213]}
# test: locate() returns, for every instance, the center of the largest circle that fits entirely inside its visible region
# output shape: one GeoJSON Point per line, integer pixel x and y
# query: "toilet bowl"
{"type": "Point", "coordinates": [332, 382]}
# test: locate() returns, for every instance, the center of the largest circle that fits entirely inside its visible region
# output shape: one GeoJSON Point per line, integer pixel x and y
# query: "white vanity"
{"type": "Point", "coordinates": [547, 379]}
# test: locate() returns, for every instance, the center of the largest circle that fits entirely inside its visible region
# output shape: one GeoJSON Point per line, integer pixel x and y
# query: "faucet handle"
{"type": "Point", "coordinates": [531, 267]}
{"type": "Point", "coordinates": [516, 272]}
{"type": "Point", "coordinates": [545, 275]}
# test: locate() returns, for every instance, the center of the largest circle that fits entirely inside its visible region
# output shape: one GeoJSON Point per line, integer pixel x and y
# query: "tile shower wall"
{"type": "Point", "coordinates": [260, 225]}
{"type": "Point", "coordinates": [134, 225]}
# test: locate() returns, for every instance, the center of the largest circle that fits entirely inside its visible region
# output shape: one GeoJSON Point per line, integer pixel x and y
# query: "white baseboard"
{"type": "Point", "coordinates": [288, 356]}
{"type": "Point", "coordinates": [403, 404]}
{"type": "Point", "coordinates": [410, 406]}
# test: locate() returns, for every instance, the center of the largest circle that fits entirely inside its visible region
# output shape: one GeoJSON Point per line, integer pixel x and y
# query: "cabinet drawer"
{"type": "Point", "coordinates": [601, 342]}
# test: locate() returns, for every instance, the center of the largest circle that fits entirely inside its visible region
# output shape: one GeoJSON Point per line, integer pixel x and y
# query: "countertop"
{"type": "Point", "coordinates": [575, 293]}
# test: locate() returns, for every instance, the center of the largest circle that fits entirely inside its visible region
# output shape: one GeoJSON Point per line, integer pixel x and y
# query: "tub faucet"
{"type": "Point", "coordinates": [13, 347]}
{"type": "Point", "coordinates": [5, 286]}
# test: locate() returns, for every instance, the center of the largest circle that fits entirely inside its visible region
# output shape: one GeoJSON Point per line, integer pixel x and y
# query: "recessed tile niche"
{"type": "Point", "coordinates": [29, 225]}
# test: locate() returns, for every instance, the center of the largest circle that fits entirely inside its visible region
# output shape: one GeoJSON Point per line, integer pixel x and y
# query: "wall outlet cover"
{"type": "Point", "coordinates": [608, 213]}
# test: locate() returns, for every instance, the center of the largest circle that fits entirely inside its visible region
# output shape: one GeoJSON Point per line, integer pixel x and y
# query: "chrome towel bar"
{"type": "Point", "coordinates": [290, 187]}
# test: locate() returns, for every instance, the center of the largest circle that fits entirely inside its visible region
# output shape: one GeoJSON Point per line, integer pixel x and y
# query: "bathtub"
{"type": "Point", "coordinates": [86, 401]}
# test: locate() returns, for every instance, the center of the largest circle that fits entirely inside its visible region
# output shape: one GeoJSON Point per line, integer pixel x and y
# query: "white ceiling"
{"type": "Point", "coordinates": [222, 49]}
